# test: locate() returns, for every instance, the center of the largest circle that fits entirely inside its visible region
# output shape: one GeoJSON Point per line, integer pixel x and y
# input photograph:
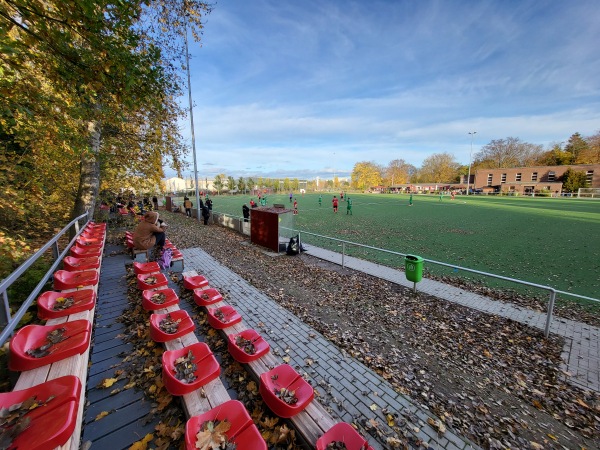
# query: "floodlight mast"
{"type": "Point", "coordinates": [187, 59]}
{"type": "Point", "coordinates": [472, 133]}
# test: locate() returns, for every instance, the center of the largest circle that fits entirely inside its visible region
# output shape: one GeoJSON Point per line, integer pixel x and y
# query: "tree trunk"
{"type": "Point", "coordinates": [89, 175]}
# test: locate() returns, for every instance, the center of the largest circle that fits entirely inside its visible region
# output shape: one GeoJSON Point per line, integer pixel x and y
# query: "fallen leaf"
{"type": "Point", "coordinates": [106, 383]}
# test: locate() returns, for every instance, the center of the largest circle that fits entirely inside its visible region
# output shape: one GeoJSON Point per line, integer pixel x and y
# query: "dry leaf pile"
{"type": "Point", "coordinates": [169, 325]}
{"type": "Point", "coordinates": [53, 337]}
{"type": "Point", "coordinates": [219, 314]}
{"type": "Point", "coordinates": [150, 280]}
{"type": "Point", "coordinates": [213, 436]}
{"type": "Point", "coordinates": [14, 420]}
{"type": "Point", "coordinates": [490, 379]}
{"type": "Point", "coordinates": [245, 344]}
{"type": "Point", "coordinates": [63, 303]}
{"type": "Point", "coordinates": [159, 298]}
{"type": "Point", "coordinates": [185, 368]}
{"type": "Point", "coordinates": [336, 445]}
{"type": "Point", "coordinates": [286, 396]}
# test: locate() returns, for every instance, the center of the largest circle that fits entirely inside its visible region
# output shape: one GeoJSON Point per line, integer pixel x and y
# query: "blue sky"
{"type": "Point", "coordinates": [309, 88]}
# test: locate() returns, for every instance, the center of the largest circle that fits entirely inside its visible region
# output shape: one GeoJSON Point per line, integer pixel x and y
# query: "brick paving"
{"type": "Point", "coordinates": [349, 387]}
{"type": "Point", "coordinates": [581, 353]}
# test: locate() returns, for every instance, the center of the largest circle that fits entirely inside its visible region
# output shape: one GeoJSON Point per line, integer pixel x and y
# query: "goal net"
{"type": "Point", "coordinates": [588, 193]}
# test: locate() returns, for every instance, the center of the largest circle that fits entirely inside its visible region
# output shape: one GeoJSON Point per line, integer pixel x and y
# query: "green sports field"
{"type": "Point", "coordinates": [549, 241]}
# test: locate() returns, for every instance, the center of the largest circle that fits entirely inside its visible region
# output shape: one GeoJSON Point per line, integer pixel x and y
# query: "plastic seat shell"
{"type": "Point", "coordinates": [213, 296]}
{"type": "Point", "coordinates": [63, 279]}
{"type": "Point", "coordinates": [29, 337]}
{"type": "Point", "coordinates": [207, 368]}
{"type": "Point", "coordinates": [171, 299]}
{"type": "Point", "coordinates": [261, 346]}
{"type": "Point", "coordinates": [343, 432]}
{"type": "Point", "coordinates": [243, 431]}
{"type": "Point", "coordinates": [161, 280]}
{"type": "Point", "coordinates": [82, 252]}
{"type": "Point", "coordinates": [284, 376]}
{"type": "Point", "coordinates": [83, 300]}
{"type": "Point", "coordinates": [53, 424]}
{"type": "Point", "coordinates": [186, 325]}
{"type": "Point", "coordinates": [194, 282]}
{"type": "Point", "coordinates": [72, 263]}
{"type": "Point", "coordinates": [231, 317]}
{"type": "Point", "coordinates": [149, 267]}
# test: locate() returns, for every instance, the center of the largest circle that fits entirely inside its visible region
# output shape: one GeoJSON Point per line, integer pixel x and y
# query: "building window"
{"type": "Point", "coordinates": [534, 176]}
{"type": "Point", "coordinates": [588, 177]}
{"type": "Point", "coordinates": [518, 177]}
{"type": "Point", "coordinates": [490, 176]}
{"type": "Point", "coordinates": [503, 179]}
{"type": "Point", "coordinates": [551, 175]}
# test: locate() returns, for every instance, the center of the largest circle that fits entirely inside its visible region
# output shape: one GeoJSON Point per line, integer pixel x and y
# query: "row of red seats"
{"type": "Point", "coordinates": [35, 346]}
{"type": "Point", "coordinates": [281, 379]}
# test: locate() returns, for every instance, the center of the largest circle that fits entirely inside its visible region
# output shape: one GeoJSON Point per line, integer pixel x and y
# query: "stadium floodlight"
{"type": "Point", "coordinates": [472, 133]}
{"type": "Point", "coordinates": [189, 82]}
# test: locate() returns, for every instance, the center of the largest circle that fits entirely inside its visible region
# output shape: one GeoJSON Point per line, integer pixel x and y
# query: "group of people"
{"type": "Point", "coordinates": [335, 203]}
{"type": "Point", "coordinates": [205, 208]}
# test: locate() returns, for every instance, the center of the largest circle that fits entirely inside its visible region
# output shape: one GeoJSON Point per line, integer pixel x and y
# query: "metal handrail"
{"type": "Point", "coordinates": [551, 291]}
{"type": "Point", "coordinates": [10, 322]}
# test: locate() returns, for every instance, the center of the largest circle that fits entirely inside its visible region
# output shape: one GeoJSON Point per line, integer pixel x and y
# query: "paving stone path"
{"type": "Point", "coordinates": [354, 387]}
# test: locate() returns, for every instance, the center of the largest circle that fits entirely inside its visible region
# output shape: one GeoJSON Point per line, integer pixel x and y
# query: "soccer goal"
{"type": "Point", "coordinates": [588, 193]}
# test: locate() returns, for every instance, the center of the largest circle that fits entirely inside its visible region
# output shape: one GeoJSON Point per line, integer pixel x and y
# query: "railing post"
{"type": "Point", "coordinates": [299, 244]}
{"type": "Point", "coordinates": [55, 251]}
{"type": "Point", "coordinates": [343, 253]}
{"type": "Point", "coordinates": [5, 316]}
{"type": "Point", "coordinates": [550, 311]}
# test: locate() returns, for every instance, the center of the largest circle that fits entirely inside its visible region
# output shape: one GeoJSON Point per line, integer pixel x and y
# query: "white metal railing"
{"type": "Point", "coordinates": [9, 322]}
{"type": "Point", "coordinates": [551, 291]}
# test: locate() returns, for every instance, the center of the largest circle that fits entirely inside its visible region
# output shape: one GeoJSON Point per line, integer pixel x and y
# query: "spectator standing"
{"type": "Point", "coordinates": [246, 212]}
{"type": "Point", "coordinates": [155, 203]}
{"type": "Point", "coordinates": [187, 204]}
{"type": "Point", "coordinates": [205, 214]}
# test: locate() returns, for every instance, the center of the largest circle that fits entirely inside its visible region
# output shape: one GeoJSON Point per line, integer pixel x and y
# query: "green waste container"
{"type": "Point", "coordinates": [413, 266]}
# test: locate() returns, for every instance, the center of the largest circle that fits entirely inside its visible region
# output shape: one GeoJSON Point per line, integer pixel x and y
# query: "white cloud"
{"type": "Point", "coordinates": [280, 81]}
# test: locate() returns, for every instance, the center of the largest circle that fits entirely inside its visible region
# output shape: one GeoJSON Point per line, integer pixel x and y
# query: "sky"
{"type": "Point", "coordinates": [306, 89]}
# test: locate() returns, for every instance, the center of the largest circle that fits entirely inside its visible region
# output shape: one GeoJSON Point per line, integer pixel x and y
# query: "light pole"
{"type": "Point", "coordinates": [187, 61]}
{"type": "Point", "coordinates": [472, 133]}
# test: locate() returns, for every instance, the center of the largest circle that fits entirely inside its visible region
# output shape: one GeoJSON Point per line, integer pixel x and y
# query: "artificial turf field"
{"type": "Point", "coordinates": [550, 241]}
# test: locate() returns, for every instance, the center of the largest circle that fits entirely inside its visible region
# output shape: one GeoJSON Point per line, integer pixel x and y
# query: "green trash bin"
{"type": "Point", "coordinates": [413, 265]}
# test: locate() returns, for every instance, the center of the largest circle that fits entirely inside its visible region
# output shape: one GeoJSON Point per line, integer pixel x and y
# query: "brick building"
{"type": "Point", "coordinates": [528, 180]}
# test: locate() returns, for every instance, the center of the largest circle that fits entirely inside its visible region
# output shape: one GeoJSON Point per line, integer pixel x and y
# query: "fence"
{"type": "Point", "coordinates": [9, 322]}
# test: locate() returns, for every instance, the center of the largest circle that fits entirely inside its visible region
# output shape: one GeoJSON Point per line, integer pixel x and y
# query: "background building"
{"type": "Point", "coordinates": [528, 180]}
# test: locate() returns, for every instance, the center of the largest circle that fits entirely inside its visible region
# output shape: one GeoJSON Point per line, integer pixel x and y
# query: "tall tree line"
{"type": "Point", "coordinates": [498, 153]}
{"type": "Point", "coordinates": [89, 98]}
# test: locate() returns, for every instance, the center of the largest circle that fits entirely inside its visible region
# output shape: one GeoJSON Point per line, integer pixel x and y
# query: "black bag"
{"type": "Point", "coordinates": [293, 247]}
